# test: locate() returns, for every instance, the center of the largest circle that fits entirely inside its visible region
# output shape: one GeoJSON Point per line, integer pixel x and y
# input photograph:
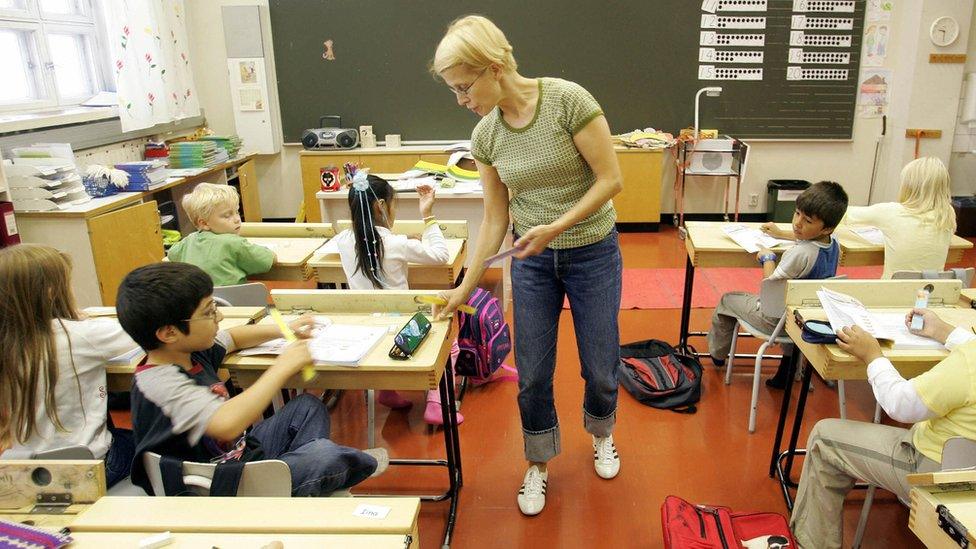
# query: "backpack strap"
{"type": "Point", "coordinates": [171, 469]}
{"type": "Point", "coordinates": [226, 478]}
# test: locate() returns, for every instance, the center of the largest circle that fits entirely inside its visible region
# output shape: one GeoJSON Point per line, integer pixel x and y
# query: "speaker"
{"type": "Point", "coordinates": [330, 138]}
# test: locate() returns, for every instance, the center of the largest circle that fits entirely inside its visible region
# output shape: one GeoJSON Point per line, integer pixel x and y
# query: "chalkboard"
{"type": "Point", "coordinates": [640, 59]}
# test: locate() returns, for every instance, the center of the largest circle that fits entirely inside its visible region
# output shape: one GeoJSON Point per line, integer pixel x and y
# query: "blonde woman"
{"type": "Point", "coordinates": [917, 229]}
{"type": "Point", "coordinates": [545, 157]}
{"type": "Point", "coordinates": [52, 362]}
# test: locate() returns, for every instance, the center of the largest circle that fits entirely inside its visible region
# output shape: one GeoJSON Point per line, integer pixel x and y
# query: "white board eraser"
{"type": "Point", "coordinates": [157, 540]}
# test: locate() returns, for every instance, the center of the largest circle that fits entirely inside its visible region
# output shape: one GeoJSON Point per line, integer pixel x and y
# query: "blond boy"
{"type": "Point", "coordinates": [216, 247]}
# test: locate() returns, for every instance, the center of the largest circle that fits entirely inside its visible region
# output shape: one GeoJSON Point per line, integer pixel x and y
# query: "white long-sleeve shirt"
{"type": "Point", "coordinates": [398, 252]}
{"type": "Point", "coordinates": [896, 395]}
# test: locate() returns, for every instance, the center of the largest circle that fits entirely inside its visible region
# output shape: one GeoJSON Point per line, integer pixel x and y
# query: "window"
{"type": "Point", "coordinates": [51, 54]}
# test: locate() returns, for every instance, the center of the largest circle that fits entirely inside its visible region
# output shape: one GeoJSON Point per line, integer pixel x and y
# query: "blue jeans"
{"type": "Point", "coordinates": [118, 460]}
{"type": "Point", "coordinates": [591, 276]}
{"type": "Point", "coordinates": [298, 434]}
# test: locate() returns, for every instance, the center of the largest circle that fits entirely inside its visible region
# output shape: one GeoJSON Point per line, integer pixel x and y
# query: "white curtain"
{"type": "Point", "coordinates": [151, 59]}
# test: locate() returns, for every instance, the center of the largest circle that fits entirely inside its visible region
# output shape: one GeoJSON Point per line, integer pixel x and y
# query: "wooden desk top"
{"type": "Point", "coordinates": [376, 370]}
{"type": "Point", "coordinates": [833, 363]}
{"type": "Point", "coordinates": [708, 246]}
{"type": "Point", "coordinates": [968, 295]}
{"type": "Point", "coordinates": [851, 242]}
{"type": "Point", "coordinates": [209, 540]}
{"type": "Point", "coordinates": [244, 515]}
{"type": "Point", "coordinates": [923, 518]}
{"type": "Point", "coordinates": [290, 252]}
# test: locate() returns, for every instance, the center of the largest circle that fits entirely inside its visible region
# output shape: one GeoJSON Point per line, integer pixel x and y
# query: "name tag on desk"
{"type": "Point", "coordinates": [371, 511]}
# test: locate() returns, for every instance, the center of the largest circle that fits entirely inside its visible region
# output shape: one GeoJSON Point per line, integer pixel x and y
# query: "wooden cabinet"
{"type": "Point", "coordinates": [122, 240]}
{"type": "Point", "coordinates": [247, 179]}
{"type": "Point", "coordinates": [638, 205]}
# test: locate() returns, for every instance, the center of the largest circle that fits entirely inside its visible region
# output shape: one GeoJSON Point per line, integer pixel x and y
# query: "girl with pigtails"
{"type": "Point", "coordinates": [373, 258]}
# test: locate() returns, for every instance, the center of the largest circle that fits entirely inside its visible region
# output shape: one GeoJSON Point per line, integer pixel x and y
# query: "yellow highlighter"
{"type": "Point", "coordinates": [436, 300]}
{"type": "Point", "coordinates": [308, 372]}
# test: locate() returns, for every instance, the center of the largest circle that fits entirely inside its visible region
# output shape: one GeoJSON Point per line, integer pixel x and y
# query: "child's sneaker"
{"type": "Point", "coordinates": [605, 458]}
{"type": "Point", "coordinates": [532, 494]}
{"type": "Point", "coordinates": [382, 458]}
{"type": "Point", "coordinates": [393, 399]}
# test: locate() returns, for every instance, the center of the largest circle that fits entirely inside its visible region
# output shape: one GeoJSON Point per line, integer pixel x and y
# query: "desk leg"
{"type": "Point", "coordinates": [686, 305]}
{"type": "Point", "coordinates": [783, 412]}
{"type": "Point", "coordinates": [452, 445]}
{"type": "Point", "coordinates": [801, 404]}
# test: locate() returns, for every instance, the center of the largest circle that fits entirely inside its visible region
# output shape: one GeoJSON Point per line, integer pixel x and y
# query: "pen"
{"type": "Point", "coordinates": [308, 372]}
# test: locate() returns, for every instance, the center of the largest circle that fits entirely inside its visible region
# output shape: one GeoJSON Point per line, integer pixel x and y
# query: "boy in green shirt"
{"type": "Point", "coordinates": [216, 247]}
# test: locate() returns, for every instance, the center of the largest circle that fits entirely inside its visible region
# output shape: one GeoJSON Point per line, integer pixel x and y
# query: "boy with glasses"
{"type": "Point", "coordinates": [181, 409]}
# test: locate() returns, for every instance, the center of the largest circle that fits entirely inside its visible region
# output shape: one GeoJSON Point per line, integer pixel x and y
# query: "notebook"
{"type": "Point", "coordinates": [844, 310]}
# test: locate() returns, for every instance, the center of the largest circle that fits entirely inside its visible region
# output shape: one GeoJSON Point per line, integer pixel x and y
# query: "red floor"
{"type": "Point", "coordinates": [708, 457]}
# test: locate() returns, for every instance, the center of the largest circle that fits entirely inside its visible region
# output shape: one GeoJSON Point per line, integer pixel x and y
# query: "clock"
{"type": "Point", "coordinates": [944, 31]}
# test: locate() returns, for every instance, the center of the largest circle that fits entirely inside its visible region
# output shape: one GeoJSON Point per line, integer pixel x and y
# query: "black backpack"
{"type": "Point", "coordinates": [659, 376]}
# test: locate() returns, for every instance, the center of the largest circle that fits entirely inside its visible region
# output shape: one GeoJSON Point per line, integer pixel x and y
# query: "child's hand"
{"type": "Point", "coordinates": [859, 343]}
{"type": "Point", "coordinates": [302, 326]}
{"type": "Point", "coordinates": [768, 227]}
{"type": "Point", "coordinates": [933, 327]}
{"type": "Point", "coordinates": [763, 251]}
{"type": "Point", "coordinates": [426, 193]}
{"type": "Point", "coordinates": [295, 356]}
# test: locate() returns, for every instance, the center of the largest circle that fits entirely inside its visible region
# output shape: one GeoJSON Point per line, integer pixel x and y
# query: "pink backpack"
{"type": "Point", "coordinates": [484, 338]}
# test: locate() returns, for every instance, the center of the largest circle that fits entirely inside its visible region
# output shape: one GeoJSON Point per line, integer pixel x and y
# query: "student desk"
{"type": "Point", "coordinates": [209, 540]}
{"type": "Point", "coordinates": [291, 257]}
{"type": "Point", "coordinates": [424, 370]}
{"type": "Point", "coordinates": [951, 494]}
{"type": "Point", "coordinates": [256, 518]}
{"type": "Point", "coordinates": [108, 237]}
{"type": "Point", "coordinates": [968, 295]}
{"type": "Point", "coordinates": [328, 268]}
{"type": "Point", "coordinates": [858, 251]}
{"type": "Point", "coordinates": [708, 246]}
{"type": "Point", "coordinates": [119, 376]}
{"type": "Point", "coordinates": [833, 364]}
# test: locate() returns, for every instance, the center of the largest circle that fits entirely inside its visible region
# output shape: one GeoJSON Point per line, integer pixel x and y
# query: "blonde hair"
{"type": "Point", "coordinates": [925, 192]}
{"type": "Point", "coordinates": [35, 284]}
{"type": "Point", "coordinates": [475, 41]}
{"type": "Point", "coordinates": [207, 197]}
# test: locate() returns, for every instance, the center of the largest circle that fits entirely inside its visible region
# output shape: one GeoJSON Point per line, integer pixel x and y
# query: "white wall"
{"type": "Point", "coordinates": [923, 95]}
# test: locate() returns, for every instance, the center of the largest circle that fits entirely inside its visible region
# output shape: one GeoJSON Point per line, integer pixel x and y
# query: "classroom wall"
{"type": "Point", "coordinates": [962, 165]}
{"type": "Point", "coordinates": [923, 96]}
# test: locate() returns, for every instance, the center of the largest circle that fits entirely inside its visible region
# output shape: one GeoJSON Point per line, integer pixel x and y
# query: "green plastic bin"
{"type": "Point", "coordinates": [781, 198]}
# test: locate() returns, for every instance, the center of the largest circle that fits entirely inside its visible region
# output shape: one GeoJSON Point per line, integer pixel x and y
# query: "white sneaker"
{"type": "Point", "coordinates": [605, 458]}
{"type": "Point", "coordinates": [532, 494]}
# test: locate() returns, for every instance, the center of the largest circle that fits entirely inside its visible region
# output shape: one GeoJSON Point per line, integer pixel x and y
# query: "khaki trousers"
{"type": "Point", "coordinates": [840, 452]}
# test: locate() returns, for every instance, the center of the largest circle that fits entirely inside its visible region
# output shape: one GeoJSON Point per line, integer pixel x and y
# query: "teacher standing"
{"type": "Point", "coordinates": [544, 154]}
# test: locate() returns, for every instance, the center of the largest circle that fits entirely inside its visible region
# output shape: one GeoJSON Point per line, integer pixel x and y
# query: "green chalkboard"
{"type": "Point", "coordinates": [639, 58]}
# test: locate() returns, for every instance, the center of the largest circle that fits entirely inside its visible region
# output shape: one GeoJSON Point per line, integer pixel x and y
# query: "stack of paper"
{"type": "Point", "coordinates": [844, 310]}
{"type": "Point", "coordinates": [230, 143]}
{"type": "Point", "coordinates": [193, 154]}
{"type": "Point", "coordinates": [145, 173]}
{"type": "Point", "coordinates": [752, 239]}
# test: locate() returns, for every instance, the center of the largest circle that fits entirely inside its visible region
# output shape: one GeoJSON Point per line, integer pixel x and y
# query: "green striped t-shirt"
{"type": "Point", "coordinates": [545, 174]}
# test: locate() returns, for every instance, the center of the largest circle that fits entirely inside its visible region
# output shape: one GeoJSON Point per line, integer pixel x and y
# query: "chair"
{"type": "Point", "coordinates": [966, 275]}
{"type": "Point", "coordinates": [265, 478]}
{"type": "Point", "coordinates": [122, 488]}
{"type": "Point", "coordinates": [958, 453]}
{"type": "Point", "coordinates": [772, 303]}
{"type": "Point", "coordinates": [251, 294]}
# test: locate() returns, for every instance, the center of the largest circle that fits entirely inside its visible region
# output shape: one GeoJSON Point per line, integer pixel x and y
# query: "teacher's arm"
{"type": "Point", "coordinates": [490, 238]}
{"type": "Point", "coordinates": [594, 143]}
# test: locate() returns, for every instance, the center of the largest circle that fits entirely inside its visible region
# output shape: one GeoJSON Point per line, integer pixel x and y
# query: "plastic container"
{"type": "Point", "coordinates": [965, 207]}
{"type": "Point", "coordinates": [781, 198]}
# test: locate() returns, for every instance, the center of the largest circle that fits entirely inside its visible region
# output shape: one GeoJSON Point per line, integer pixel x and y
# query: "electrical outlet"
{"type": "Point", "coordinates": [753, 200]}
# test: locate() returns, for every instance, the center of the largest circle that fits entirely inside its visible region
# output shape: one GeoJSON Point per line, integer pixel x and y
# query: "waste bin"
{"type": "Point", "coordinates": [965, 207]}
{"type": "Point", "coordinates": [781, 198]}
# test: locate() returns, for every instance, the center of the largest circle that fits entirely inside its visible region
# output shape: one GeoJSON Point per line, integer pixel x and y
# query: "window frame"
{"type": "Point", "coordinates": [89, 26]}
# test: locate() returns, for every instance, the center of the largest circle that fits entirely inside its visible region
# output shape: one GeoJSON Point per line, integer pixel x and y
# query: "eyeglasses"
{"type": "Point", "coordinates": [211, 314]}
{"type": "Point", "coordinates": [463, 92]}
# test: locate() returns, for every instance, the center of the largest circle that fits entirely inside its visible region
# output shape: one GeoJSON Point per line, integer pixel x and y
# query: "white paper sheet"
{"type": "Point", "coordinates": [871, 234]}
{"type": "Point", "coordinates": [752, 239]}
{"type": "Point", "coordinates": [844, 310]}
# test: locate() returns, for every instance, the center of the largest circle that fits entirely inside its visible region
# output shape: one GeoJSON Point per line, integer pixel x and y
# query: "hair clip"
{"type": "Point", "coordinates": [360, 182]}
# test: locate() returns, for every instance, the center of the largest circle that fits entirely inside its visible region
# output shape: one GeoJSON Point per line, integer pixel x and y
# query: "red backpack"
{"type": "Point", "coordinates": [689, 526]}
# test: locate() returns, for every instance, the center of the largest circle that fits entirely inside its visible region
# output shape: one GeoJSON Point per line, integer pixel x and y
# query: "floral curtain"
{"type": "Point", "coordinates": [147, 41]}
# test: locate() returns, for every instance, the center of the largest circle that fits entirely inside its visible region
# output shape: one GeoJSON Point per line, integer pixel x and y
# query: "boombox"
{"type": "Point", "coordinates": [330, 138]}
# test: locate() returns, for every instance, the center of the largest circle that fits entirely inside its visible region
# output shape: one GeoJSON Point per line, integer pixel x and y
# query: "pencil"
{"type": "Point", "coordinates": [308, 372]}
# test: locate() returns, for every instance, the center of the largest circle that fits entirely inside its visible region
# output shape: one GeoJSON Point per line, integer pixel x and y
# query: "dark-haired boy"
{"type": "Point", "coordinates": [818, 211]}
{"type": "Point", "coordinates": [181, 409]}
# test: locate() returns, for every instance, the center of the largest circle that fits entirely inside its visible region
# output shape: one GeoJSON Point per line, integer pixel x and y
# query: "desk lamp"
{"type": "Point", "coordinates": [713, 91]}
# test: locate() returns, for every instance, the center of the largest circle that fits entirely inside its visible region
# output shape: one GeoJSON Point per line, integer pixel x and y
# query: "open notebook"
{"type": "Point", "coordinates": [336, 344]}
{"type": "Point", "coordinates": [844, 310]}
